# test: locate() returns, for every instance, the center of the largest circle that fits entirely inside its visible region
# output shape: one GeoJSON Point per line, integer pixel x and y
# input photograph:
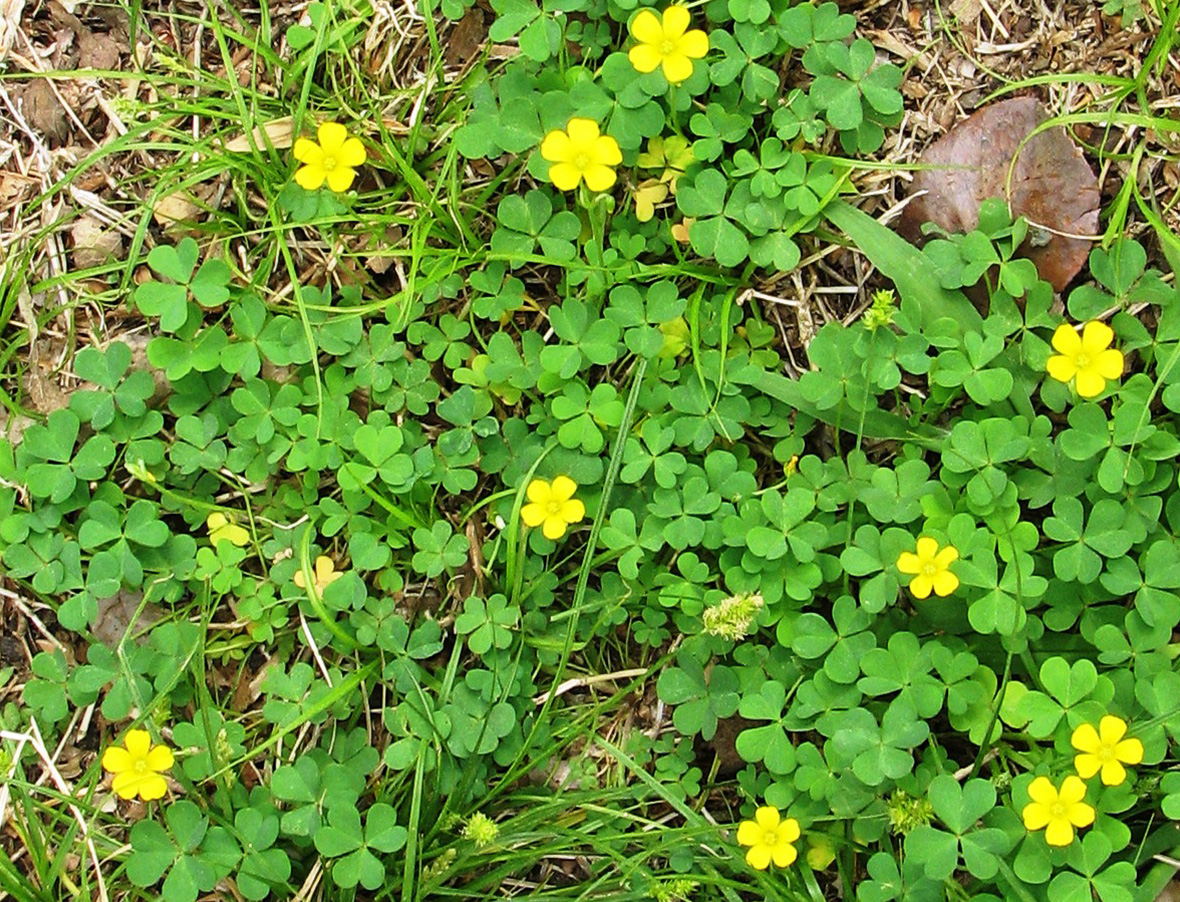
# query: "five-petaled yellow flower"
{"type": "Point", "coordinates": [138, 766]}
{"type": "Point", "coordinates": [552, 506]}
{"type": "Point", "coordinates": [325, 574]}
{"type": "Point", "coordinates": [1105, 749]}
{"type": "Point", "coordinates": [1057, 812]}
{"type": "Point", "coordinates": [930, 568]}
{"type": "Point", "coordinates": [666, 42]}
{"type": "Point", "coordinates": [221, 526]}
{"type": "Point", "coordinates": [581, 152]}
{"type": "Point", "coordinates": [770, 838]}
{"type": "Point", "coordinates": [333, 160]}
{"type": "Point", "coordinates": [1088, 359]}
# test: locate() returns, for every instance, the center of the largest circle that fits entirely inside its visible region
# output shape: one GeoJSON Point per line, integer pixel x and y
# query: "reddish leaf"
{"type": "Point", "coordinates": [1052, 185]}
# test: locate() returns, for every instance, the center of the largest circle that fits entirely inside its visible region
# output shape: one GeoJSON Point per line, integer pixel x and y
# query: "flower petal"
{"type": "Point", "coordinates": [1087, 765]}
{"type": "Point", "coordinates": [944, 583]}
{"type": "Point", "coordinates": [340, 178]}
{"type": "Point", "coordinates": [1109, 364]}
{"type": "Point", "coordinates": [607, 151]}
{"type": "Point", "coordinates": [645, 57]}
{"type": "Point", "coordinates": [758, 857]}
{"type": "Point", "coordinates": [583, 134]}
{"type": "Point", "coordinates": [676, 22]}
{"type": "Point", "coordinates": [927, 548]}
{"type": "Point", "coordinates": [1042, 791]}
{"type": "Point", "coordinates": [307, 151]}
{"type": "Point", "coordinates": [1061, 368]}
{"type": "Point", "coordinates": [539, 491]}
{"type": "Point", "coordinates": [1113, 774]}
{"type": "Point", "coordinates": [784, 853]}
{"type": "Point", "coordinates": [563, 489]}
{"type": "Point", "coordinates": [533, 514]}
{"type": "Point", "coordinates": [1096, 337]}
{"type": "Point", "coordinates": [767, 817]}
{"type": "Point", "coordinates": [565, 176]}
{"type": "Point", "coordinates": [749, 833]}
{"type": "Point", "coordinates": [921, 586]}
{"type": "Point", "coordinates": [309, 177]}
{"type": "Point", "coordinates": [789, 830]}
{"type": "Point", "coordinates": [694, 44]}
{"type": "Point", "coordinates": [1080, 814]}
{"type": "Point", "coordinates": [907, 562]}
{"type": "Point", "coordinates": [138, 742]}
{"type": "Point", "coordinates": [1059, 832]}
{"type": "Point", "coordinates": [1112, 729]}
{"type": "Point", "coordinates": [1085, 739]}
{"type": "Point", "coordinates": [117, 759]}
{"type": "Point", "coordinates": [1089, 384]}
{"type": "Point", "coordinates": [160, 758]}
{"type": "Point", "coordinates": [646, 28]}
{"type": "Point", "coordinates": [556, 148]}
{"type": "Point", "coordinates": [1073, 790]}
{"type": "Point", "coordinates": [599, 178]}
{"type": "Point", "coordinates": [332, 136]}
{"type": "Point", "coordinates": [1035, 815]}
{"type": "Point", "coordinates": [573, 511]}
{"type": "Point", "coordinates": [553, 528]}
{"type": "Point", "coordinates": [946, 557]}
{"type": "Point", "coordinates": [677, 68]}
{"type": "Point", "coordinates": [352, 152]}
{"type": "Point", "coordinates": [152, 787]}
{"type": "Point", "coordinates": [126, 784]}
{"type": "Point", "coordinates": [1067, 341]}
{"type": "Point", "coordinates": [1129, 751]}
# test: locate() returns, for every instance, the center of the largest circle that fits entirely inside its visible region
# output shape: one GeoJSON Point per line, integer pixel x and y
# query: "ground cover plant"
{"type": "Point", "coordinates": [502, 449]}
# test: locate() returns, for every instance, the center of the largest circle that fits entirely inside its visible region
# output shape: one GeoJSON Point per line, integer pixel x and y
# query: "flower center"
{"type": "Point", "coordinates": [554, 508]}
{"type": "Point", "coordinates": [667, 47]}
{"type": "Point", "coordinates": [1106, 753]}
{"type": "Point", "coordinates": [929, 568]}
{"type": "Point", "coordinates": [329, 163]}
{"type": "Point", "coordinates": [140, 766]}
{"type": "Point", "coordinates": [770, 838]}
{"type": "Point", "coordinates": [581, 162]}
{"type": "Point", "coordinates": [1082, 361]}
{"type": "Point", "coordinates": [1058, 811]}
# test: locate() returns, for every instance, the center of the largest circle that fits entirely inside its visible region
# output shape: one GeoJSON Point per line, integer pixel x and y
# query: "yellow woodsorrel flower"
{"type": "Point", "coordinates": [1088, 359]}
{"type": "Point", "coordinates": [552, 506]}
{"type": "Point", "coordinates": [666, 41]}
{"type": "Point", "coordinates": [333, 160]}
{"type": "Point", "coordinates": [581, 152]}
{"type": "Point", "coordinates": [325, 574]}
{"type": "Point", "coordinates": [1057, 812]}
{"type": "Point", "coordinates": [930, 568]}
{"type": "Point", "coordinates": [137, 766]}
{"type": "Point", "coordinates": [221, 526]}
{"type": "Point", "coordinates": [1105, 749]}
{"type": "Point", "coordinates": [770, 838]}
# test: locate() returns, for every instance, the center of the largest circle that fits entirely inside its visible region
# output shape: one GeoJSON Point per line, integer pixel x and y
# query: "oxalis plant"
{"type": "Point", "coordinates": [547, 558]}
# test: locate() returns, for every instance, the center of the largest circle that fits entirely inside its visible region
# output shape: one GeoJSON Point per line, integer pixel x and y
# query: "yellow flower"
{"type": "Point", "coordinates": [672, 154]}
{"type": "Point", "coordinates": [221, 526]}
{"type": "Point", "coordinates": [333, 160]}
{"type": "Point", "coordinates": [930, 568]}
{"type": "Point", "coordinates": [666, 42]}
{"type": "Point", "coordinates": [1089, 359]}
{"type": "Point", "coordinates": [1105, 749]}
{"type": "Point", "coordinates": [769, 838]}
{"type": "Point", "coordinates": [325, 574]}
{"type": "Point", "coordinates": [581, 153]}
{"type": "Point", "coordinates": [1059, 812]}
{"type": "Point", "coordinates": [647, 194]}
{"type": "Point", "coordinates": [553, 506]}
{"type": "Point", "coordinates": [138, 766]}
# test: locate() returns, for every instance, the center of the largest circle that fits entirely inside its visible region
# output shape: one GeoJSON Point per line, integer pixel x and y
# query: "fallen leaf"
{"type": "Point", "coordinates": [276, 133]}
{"type": "Point", "coordinates": [43, 110]}
{"type": "Point", "coordinates": [1052, 185]}
{"type": "Point", "coordinates": [94, 244]}
{"type": "Point", "coordinates": [175, 208]}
